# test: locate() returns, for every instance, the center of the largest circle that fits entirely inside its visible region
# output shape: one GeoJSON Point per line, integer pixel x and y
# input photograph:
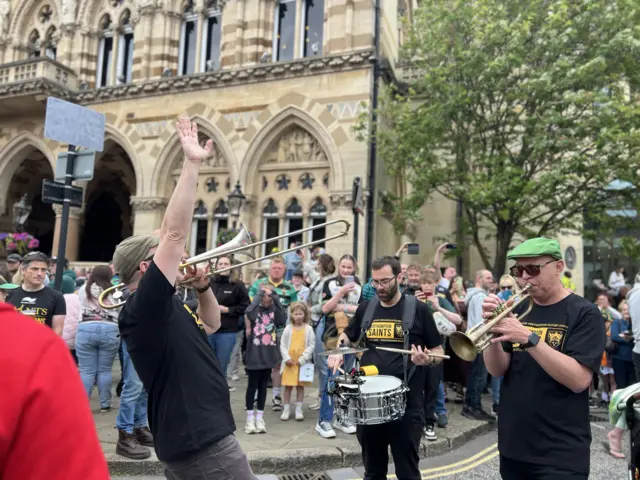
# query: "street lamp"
{"type": "Point", "coordinates": [21, 211]}
{"type": "Point", "coordinates": [236, 200]}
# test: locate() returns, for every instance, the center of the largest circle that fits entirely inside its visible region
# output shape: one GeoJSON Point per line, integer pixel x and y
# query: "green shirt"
{"type": "Point", "coordinates": [285, 291]}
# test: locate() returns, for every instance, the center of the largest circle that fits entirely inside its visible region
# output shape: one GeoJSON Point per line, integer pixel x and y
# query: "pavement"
{"type": "Point", "coordinates": [287, 447]}
{"type": "Point", "coordinates": [478, 459]}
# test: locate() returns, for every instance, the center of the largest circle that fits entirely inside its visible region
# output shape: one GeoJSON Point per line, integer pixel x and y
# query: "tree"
{"type": "Point", "coordinates": [520, 111]}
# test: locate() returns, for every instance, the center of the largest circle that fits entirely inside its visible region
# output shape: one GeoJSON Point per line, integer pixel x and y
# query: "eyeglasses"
{"type": "Point", "coordinates": [506, 287]}
{"type": "Point", "coordinates": [384, 282]}
{"type": "Point", "coordinates": [532, 270]}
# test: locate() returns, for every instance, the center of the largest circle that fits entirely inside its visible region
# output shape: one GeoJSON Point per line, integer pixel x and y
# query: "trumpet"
{"type": "Point", "coordinates": [468, 345]}
{"type": "Point", "coordinates": [239, 245]}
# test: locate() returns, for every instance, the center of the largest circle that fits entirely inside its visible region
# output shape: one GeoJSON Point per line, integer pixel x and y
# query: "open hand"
{"type": "Point", "coordinates": [188, 134]}
{"type": "Point", "coordinates": [334, 362]}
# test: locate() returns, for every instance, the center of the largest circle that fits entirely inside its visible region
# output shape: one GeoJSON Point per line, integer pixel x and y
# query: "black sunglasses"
{"type": "Point", "coordinates": [532, 270]}
{"type": "Point", "coordinates": [505, 287]}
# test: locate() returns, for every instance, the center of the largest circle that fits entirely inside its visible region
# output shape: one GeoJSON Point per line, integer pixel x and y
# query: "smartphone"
{"type": "Point", "coordinates": [451, 246]}
{"type": "Point", "coordinates": [413, 249]}
{"type": "Point", "coordinates": [349, 279]}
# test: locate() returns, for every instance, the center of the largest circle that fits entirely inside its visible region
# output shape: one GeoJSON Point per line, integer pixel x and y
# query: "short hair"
{"type": "Point", "coordinates": [415, 266]}
{"type": "Point", "coordinates": [381, 262]}
{"type": "Point", "coordinates": [480, 273]}
{"type": "Point", "coordinates": [429, 276]}
{"type": "Point", "coordinates": [277, 259]}
{"type": "Point", "coordinates": [34, 257]}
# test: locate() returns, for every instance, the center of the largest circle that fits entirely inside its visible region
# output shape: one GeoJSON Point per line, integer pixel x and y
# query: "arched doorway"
{"type": "Point", "coordinates": [27, 179]}
{"type": "Point", "coordinates": [108, 217]}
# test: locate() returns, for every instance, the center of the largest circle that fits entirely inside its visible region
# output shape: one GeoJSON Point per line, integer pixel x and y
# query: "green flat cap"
{"type": "Point", "coordinates": [536, 247]}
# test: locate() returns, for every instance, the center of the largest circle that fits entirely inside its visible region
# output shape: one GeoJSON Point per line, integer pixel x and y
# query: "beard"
{"type": "Point", "coordinates": [387, 294]}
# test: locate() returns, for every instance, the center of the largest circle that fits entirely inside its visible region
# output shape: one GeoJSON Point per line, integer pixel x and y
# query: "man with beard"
{"type": "Point", "coordinates": [412, 275]}
{"type": "Point", "coordinates": [547, 360]}
{"type": "Point", "coordinates": [386, 330]}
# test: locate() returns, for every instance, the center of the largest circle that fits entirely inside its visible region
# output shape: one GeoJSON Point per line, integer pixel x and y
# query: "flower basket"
{"type": "Point", "coordinates": [20, 243]}
{"type": "Point", "coordinates": [225, 235]}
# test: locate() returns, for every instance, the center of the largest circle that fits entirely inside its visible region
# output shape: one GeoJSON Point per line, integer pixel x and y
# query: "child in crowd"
{"type": "Point", "coordinates": [262, 318]}
{"type": "Point", "coordinates": [296, 348]}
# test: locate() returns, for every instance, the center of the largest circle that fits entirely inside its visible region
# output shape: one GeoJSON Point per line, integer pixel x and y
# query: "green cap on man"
{"type": "Point", "coordinates": [536, 247]}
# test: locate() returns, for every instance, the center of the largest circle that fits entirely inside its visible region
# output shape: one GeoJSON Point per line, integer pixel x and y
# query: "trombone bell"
{"type": "Point", "coordinates": [117, 294]}
{"type": "Point", "coordinates": [468, 345]}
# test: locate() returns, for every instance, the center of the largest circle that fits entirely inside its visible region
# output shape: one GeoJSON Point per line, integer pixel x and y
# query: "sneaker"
{"type": "Point", "coordinates": [325, 430]}
{"type": "Point", "coordinates": [495, 409]}
{"type": "Point", "coordinates": [277, 404]}
{"type": "Point", "coordinates": [250, 427]}
{"type": "Point", "coordinates": [442, 421]}
{"type": "Point", "coordinates": [105, 409]}
{"type": "Point", "coordinates": [480, 414]}
{"type": "Point", "coordinates": [235, 377]}
{"type": "Point", "coordinates": [285, 413]}
{"type": "Point", "coordinates": [345, 425]}
{"type": "Point", "coordinates": [315, 406]}
{"type": "Point", "coordinates": [429, 432]}
{"type": "Point", "coordinates": [299, 414]}
{"type": "Point", "coordinates": [593, 403]}
{"type": "Point", "coordinates": [260, 426]}
{"type": "Point", "coordinates": [232, 389]}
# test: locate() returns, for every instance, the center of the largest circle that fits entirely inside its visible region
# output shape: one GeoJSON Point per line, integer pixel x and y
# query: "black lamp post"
{"type": "Point", "coordinates": [21, 211]}
{"type": "Point", "coordinates": [236, 200]}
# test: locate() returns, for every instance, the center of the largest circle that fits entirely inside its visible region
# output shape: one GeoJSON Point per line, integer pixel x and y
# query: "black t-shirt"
{"type": "Point", "coordinates": [189, 405]}
{"type": "Point", "coordinates": [42, 305]}
{"type": "Point", "coordinates": [542, 421]}
{"type": "Point", "coordinates": [386, 331]}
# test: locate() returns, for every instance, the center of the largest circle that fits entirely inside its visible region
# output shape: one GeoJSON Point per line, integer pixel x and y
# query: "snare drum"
{"type": "Point", "coordinates": [375, 400]}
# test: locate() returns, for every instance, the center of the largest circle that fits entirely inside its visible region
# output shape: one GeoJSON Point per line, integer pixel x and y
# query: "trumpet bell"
{"type": "Point", "coordinates": [463, 346]}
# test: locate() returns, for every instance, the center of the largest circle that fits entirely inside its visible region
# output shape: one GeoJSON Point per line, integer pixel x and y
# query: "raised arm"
{"type": "Point", "coordinates": [176, 223]}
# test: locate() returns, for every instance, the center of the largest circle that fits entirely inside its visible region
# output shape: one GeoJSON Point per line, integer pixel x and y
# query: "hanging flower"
{"type": "Point", "coordinates": [20, 243]}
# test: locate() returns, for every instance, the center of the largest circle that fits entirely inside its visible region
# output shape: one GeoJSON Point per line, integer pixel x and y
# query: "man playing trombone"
{"type": "Point", "coordinates": [189, 408]}
{"type": "Point", "coordinates": [547, 361]}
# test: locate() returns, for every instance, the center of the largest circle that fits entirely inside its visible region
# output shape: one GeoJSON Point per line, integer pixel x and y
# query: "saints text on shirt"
{"type": "Point", "coordinates": [386, 330]}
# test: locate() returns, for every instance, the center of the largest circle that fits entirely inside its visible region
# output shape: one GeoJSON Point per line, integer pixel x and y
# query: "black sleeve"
{"type": "Point", "coordinates": [151, 302]}
{"type": "Point", "coordinates": [353, 329]}
{"type": "Point", "coordinates": [430, 335]}
{"type": "Point", "coordinates": [326, 292]}
{"type": "Point", "coordinates": [59, 306]}
{"type": "Point", "coordinates": [241, 299]}
{"type": "Point", "coordinates": [586, 339]}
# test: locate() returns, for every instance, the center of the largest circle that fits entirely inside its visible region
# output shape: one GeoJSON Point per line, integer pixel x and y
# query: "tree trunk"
{"type": "Point", "coordinates": [504, 235]}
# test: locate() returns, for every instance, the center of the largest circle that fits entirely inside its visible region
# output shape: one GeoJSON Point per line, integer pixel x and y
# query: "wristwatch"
{"type": "Point", "coordinates": [534, 338]}
{"type": "Point", "coordinates": [203, 289]}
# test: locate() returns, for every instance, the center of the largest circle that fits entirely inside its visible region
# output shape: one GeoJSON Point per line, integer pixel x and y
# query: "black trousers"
{"type": "Point", "coordinates": [431, 384]}
{"type": "Point", "coordinates": [258, 381]}
{"type": "Point", "coordinates": [624, 372]}
{"type": "Point", "coordinates": [403, 436]}
{"type": "Point", "coordinates": [636, 364]}
{"type": "Point", "coordinates": [515, 470]}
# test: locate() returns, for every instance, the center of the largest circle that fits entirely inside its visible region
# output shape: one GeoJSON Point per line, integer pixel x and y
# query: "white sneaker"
{"type": "Point", "coordinates": [235, 377]}
{"type": "Point", "coordinates": [285, 413]}
{"type": "Point", "coordinates": [260, 426]}
{"type": "Point", "coordinates": [250, 427]}
{"type": "Point", "coordinates": [325, 430]}
{"type": "Point", "coordinates": [345, 425]}
{"type": "Point", "coordinates": [315, 406]}
{"type": "Point", "coordinates": [299, 414]}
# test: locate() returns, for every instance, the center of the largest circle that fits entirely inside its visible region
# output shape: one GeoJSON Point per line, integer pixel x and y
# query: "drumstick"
{"type": "Point", "coordinates": [408, 352]}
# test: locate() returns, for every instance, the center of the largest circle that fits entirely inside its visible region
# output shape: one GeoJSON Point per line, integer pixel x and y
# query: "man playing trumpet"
{"type": "Point", "coordinates": [547, 361]}
{"type": "Point", "coordinates": [189, 408]}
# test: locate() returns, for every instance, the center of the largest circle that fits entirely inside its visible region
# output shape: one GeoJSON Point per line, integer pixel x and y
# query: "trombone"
{"type": "Point", "coordinates": [239, 245]}
{"type": "Point", "coordinates": [477, 339]}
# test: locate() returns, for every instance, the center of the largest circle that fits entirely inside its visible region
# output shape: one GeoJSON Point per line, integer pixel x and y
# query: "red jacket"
{"type": "Point", "coordinates": [46, 427]}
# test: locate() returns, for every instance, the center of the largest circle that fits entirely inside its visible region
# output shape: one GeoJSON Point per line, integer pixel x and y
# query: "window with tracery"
{"type": "Point", "coordinates": [270, 226]}
{"type": "Point", "coordinates": [318, 216]}
{"type": "Point", "coordinates": [105, 52]}
{"type": "Point", "coordinates": [125, 49]}
{"type": "Point", "coordinates": [199, 229]}
{"type": "Point", "coordinates": [220, 221]}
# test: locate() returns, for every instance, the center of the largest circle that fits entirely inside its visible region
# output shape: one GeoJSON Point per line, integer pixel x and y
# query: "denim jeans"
{"type": "Point", "coordinates": [222, 344]}
{"type": "Point", "coordinates": [320, 361]}
{"type": "Point", "coordinates": [326, 400]}
{"type": "Point", "coordinates": [97, 346]}
{"type": "Point", "coordinates": [236, 356]}
{"type": "Point", "coordinates": [496, 384]}
{"type": "Point", "coordinates": [133, 400]}
{"type": "Point", "coordinates": [476, 383]}
{"type": "Point", "coordinates": [441, 409]}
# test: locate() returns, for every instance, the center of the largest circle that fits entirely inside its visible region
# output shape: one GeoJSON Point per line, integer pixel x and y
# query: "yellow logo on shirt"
{"type": "Point", "coordinates": [387, 330]}
{"type": "Point", "coordinates": [195, 317]}
{"type": "Point", "coordinates": [551, 334]}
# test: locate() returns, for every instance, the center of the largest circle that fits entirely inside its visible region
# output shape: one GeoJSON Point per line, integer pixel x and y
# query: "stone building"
{"type": "Point", "coordinates": [277, 85]}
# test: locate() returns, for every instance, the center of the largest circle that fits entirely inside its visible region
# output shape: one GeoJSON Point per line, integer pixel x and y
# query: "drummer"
{"type": "Point", "coordinates": [386, 331]}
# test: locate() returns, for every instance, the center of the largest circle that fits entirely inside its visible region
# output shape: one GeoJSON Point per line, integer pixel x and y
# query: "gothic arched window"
{"type": "Point", "coordinates": [220, 221]}
{"type": "Point", "coordinates": [284, 32]}
{"type": "Point", "coordinates": [188, 39]}
{"type": "Point", "coordinates": [270, 226]}
{"type": "Point", "coordinates": [199, 229]}
{"type": "Point", "coordinates": [294, 220]}
{"type": "Point", "coordinates": [125, 49]}
{"type": "Point", "coordinates": [212, 37]}
{"type": "Point", "coordinates": [318, 216]}
{"type": "Point", "coordinates": [105, 52]}
{"type": "Point", "coordinates": [312, 28]}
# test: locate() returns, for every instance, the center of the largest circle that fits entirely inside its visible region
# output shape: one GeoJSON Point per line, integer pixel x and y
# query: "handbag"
{"type": "Point", "coordinates": [611, 347]}
{"type": "Point", "coordinates": [444, 326]}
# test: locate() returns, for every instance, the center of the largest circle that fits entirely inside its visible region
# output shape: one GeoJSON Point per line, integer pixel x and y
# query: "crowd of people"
{"type": "Point", "coordinates": [183, 346]}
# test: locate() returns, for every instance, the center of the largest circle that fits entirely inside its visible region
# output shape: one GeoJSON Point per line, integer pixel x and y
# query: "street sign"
{"type": "Point", "coordinates": [356, 195]}
{"type": "Point", "coordinates": [54, 192]}
{"type": "Point", "coordinates": [68, 123]}
{"type": "Point", "coordinates": [83, 164]}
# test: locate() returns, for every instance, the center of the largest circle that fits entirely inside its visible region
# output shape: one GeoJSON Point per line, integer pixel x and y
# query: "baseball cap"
{"type": "Point", "coordinates": [14, 258]}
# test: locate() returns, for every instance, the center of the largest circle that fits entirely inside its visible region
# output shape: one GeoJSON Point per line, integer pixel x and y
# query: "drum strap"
{"type": "Point", "coordinates": [408, 318]}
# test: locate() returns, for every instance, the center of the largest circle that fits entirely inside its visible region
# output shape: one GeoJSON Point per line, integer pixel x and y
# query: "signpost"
{"type": "Point", "coordinates": [358, 209]}
{"type": "Point", "coordinates": [74, 125]}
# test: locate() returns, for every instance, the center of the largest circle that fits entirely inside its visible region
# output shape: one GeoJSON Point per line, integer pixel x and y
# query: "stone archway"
{"type": "Point", "coordinates": [108, 215]}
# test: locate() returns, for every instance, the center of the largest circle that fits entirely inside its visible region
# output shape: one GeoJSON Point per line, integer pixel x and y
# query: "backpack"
{"type": "Point", "coordinates": [408, 319]}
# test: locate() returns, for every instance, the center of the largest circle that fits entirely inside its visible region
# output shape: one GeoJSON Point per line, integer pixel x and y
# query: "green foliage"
{"type": "Point", "coordinates": [521, 111]}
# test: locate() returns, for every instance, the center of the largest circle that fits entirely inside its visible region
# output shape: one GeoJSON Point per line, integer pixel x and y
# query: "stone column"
{"type": "Point", "coordinates": [341, 209]}
{"type": "Point", "coordinates": [67, 44]}
{"type": "Point", "coordinates": [147, 15]}
{"type": "Point", "coordinates": [148, 213]}
{"type": "Point", "coordinates": [73, 232]}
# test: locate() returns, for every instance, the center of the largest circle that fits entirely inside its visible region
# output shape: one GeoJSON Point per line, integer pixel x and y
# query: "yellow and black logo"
{"type": "Point", "coordinates": [386, 330]}
{"type": "Point", "coordinates": [195, 317]}
{"type": "Point", "coordinates": [551, 334]}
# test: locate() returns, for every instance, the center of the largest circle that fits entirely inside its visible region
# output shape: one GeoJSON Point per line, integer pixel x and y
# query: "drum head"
{"type": "Point", "coordinates": [380, 383]}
